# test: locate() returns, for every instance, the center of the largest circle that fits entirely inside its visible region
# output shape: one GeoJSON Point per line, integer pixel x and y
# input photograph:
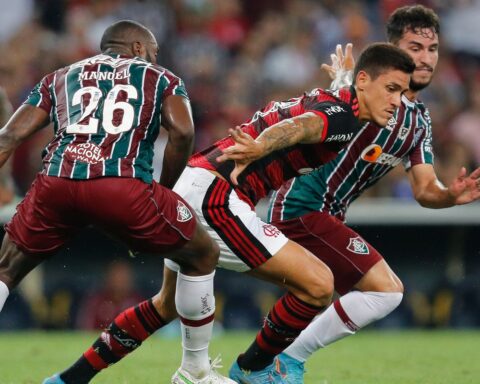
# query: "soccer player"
{"type": "Point", "coordinates": [294, 136]}
{"type": "Point", "coordinates": [311, 209]}
{"type": "Point", "coordinates": [106, 112]}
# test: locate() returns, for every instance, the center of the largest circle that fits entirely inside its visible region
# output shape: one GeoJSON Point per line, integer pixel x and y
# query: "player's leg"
{"type": "Point", "coordinates": [355, 265]}
{"type": "Point", "coordinates": [14, 266]}
{"type": "Point", "coordinates": [310, 287]}
{"type": "Point", "coordinates": [34, 233]}
{"type": "Point", "coordinates": [126, 333]}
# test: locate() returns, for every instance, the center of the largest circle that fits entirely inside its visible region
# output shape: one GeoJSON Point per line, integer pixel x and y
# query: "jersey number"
{"type": "Point", "coordinates": [109, 107]}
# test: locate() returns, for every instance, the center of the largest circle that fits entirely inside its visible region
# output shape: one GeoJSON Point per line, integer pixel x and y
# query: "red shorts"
{"type": "Point", "coordinates": [146, 217]}
{"type": "Point", "coordinates": [340, 247]}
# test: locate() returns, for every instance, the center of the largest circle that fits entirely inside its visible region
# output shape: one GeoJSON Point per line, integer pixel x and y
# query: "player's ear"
{"type": "Point", "coordinates": [362, 79]}
{"type": "Point", "coordinates": [139, 49]}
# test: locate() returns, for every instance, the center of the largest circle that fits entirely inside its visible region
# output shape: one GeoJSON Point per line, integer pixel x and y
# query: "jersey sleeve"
{"type": "Point", "coordinates": [422, 153]}
{"type": "Point", "coordinates": [175, 86]}
{"type": "Point", "coordinates": [339, 121]}
{"type": "Point", "coordinates": [40, 95]}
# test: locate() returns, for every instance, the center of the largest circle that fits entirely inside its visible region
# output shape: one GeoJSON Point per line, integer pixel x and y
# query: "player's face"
{"type": "Point", "coordinates": [380, 98]}
{"type": "Point", "coordinates": [422, 45]}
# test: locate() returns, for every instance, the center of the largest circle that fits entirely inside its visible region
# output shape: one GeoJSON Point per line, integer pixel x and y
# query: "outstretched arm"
{"type": "Point", "coordinates": [177, 120]}
{"type": "Point", "coordinates": [25, 121]}
{"type": "Point", "coordinates": [307, 128]}
{"type": "Point", "coordinates": [431, 193]}
{"type": "Point", "coordinates": [341, 69]}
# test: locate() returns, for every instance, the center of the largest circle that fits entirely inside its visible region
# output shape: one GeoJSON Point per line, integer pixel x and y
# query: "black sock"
{"type": "Point", "coordinates": [79, 373]}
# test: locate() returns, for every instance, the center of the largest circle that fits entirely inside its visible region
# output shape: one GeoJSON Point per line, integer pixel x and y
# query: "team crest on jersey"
{"type": "Point", "coordinates": [357, 245]}
{"type": "Point", "coordinates": [391, 123]}
{"type": "Point", "coordinates": [403, 132]}
{"type": "Point", "coordinates": [183, 213]}
{"type": "Point", "coordinates": [270, 230]}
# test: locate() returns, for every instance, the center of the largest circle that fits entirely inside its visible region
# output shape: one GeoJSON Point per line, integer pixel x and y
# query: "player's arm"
{"type": "Point", "coordinates": [25, 121]}
{"type": "Point", "coordinates": [431, 193]}
{"type": "Point", "coordinates": [306, 128]}
{"type": "Point", "coordinates": [177, 120]}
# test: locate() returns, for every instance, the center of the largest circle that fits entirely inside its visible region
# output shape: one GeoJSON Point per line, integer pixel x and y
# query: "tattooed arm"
{"type": "Point", "coordinates": [307, 128]}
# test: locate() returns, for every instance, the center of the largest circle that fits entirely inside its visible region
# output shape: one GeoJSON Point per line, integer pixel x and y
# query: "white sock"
{"type": "Point", "coordinates": [196, 306]}
{"type": "Point", "coordinates": [344, 317]}
{"type": "Point", "coordinates": [4, 292]}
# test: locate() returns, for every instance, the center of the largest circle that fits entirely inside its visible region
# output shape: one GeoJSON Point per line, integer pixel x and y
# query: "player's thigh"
{"type": "Point", "coordinates": [343, 250]}
{"type": "Point", "coordinates": [245, 241]}
{"type": "Point", "coordinates": [44, 221]}
{"type": "Point", "coordinates": [380, 278]}
{"type": "Point", "coordinates": [297, 269]}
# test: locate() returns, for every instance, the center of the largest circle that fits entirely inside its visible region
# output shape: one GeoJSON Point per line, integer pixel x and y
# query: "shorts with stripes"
{"type": "Point", "coordinates": [245, 240]}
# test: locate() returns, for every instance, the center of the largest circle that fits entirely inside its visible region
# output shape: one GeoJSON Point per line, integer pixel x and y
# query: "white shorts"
{"type": "Point", "coordinates": [245, 240]}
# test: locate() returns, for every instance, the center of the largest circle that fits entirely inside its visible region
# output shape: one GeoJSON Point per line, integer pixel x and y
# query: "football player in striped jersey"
{"type": "Point", "coordinates": [311, 209]}
{"type": "Point", "coordinates": [106, 112]}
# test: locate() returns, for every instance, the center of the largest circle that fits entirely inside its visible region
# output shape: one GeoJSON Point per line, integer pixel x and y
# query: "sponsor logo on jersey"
{"type": "Point", "coordinates": [374, 154]}
{"type": "Point", "coordinates": [183, 213]}
{"type": "Point", "coordinates": [340, 137]}
{"type": "Point", "coordinates": [418, 135]}
{"type": "Point", "coordinates": [357, 245]}
{"type": "Point", "coordinates": [85, 152]}
{"type": "Point", "coordinates": [89, 75]}
{"type": "Point", "coordinates": [271, 231]}
{"type": "Point", "coordinates": [334, 109]}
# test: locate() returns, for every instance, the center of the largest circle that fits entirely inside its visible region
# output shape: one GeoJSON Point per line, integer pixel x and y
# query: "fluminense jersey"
{"type": "Point", "coordinates": [106, 113]}
{"type": "Point", "coordinates": [339, 111]}
{"type": "Point", "coordinates": [372, 153]}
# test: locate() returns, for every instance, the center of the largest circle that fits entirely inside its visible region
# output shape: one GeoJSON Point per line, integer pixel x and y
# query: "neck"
{"type": "Point", "coordinates": [411, 95]}
{"type": "Point", "coordinates": [118, 51]}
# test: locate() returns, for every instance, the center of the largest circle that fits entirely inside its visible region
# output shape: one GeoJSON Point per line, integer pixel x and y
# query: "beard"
{"type": "Point", "coordinates": [416, 86]}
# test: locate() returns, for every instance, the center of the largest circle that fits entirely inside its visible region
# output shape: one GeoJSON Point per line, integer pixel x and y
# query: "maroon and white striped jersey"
{"type": "Point", "coordinates": [106, 112]}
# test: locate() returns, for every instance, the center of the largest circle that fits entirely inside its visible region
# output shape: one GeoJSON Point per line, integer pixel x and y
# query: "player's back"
{"type": "Point", "coordinates": [339, 110]}
{"type": "Point", "coordinates": [106, 113]}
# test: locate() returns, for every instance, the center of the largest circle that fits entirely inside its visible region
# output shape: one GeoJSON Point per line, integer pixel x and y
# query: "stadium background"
{"type": "Point", "coordinates": [235, 55]}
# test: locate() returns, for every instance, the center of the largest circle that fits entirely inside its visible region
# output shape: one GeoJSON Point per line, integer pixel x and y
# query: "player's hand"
{"type": "Point", "coordinates": [243, 152]}
{"type": "Point", "coordinates": [340, 62]}
{"type": "Point", "coordinates": [465, 188]}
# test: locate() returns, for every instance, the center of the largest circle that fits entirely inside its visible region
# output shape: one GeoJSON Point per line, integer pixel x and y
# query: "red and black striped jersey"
{"type": "Point", "coordinates": [339, 111]}
{"type": "Point", "coordinates": [106, 112]}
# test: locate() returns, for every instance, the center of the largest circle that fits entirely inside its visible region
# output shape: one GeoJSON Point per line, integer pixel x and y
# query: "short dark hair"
{"type": "Point", "coordinates": [411, 18]}
{"type": "Point", "coordinates": [380, 57]}
{"type": "Point", "coordinates": [122, 32]}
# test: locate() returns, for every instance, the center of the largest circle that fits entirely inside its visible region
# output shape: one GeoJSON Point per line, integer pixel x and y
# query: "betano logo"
{"type": "Point", "coordinates": [374, 154]}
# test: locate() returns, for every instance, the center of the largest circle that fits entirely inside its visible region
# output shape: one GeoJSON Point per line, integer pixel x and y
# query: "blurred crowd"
{"type": "Point", "coordinates": [235, 55]}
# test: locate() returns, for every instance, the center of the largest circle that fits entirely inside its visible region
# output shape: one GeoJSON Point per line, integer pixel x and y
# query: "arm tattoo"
{"type": "Point", "coordinates": [306, 128]}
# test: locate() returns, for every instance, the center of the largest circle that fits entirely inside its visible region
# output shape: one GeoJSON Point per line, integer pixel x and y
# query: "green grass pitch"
{"type": "Point", "coordinates": [413, 357]}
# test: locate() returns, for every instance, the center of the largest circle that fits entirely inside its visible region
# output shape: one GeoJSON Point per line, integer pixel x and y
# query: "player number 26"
{"type": "Point", "coordinates": [109, 107]}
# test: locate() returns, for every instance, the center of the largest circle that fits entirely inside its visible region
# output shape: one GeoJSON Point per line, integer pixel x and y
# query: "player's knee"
{"type": "Point", "coordinates": [321, 288]}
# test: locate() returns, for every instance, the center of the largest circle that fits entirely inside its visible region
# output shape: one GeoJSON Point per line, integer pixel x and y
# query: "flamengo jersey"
{"type": "Point", "coordinates": [370, 155]}
{"type": "Point", "coordinates": [106, 114]}
{"type": "Point", "coordinates": [338, 110]}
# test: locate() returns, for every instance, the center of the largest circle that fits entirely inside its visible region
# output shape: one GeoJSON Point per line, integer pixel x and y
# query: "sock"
{"type": "Point", "coordinates": [195, 304]}
{"type": "Point", "coordinates": [4, 292]}
{"type": "Point", "coordinates": [344, 317]}
{"type": "Point", "coordinates": [122, 336]}
{"type": "Point", "coordinates": [288, 317]}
